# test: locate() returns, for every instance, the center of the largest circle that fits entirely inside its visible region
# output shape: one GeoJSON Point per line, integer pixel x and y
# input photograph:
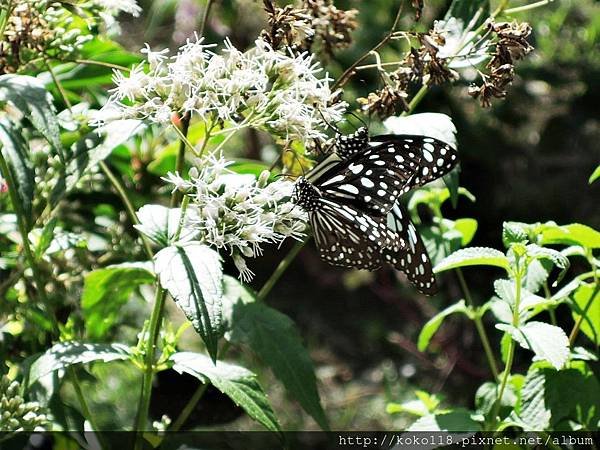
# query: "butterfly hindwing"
{"type": "Point", "coordinates": [411, 258]}
{"type": "Point", "coordinates": [347, 237]}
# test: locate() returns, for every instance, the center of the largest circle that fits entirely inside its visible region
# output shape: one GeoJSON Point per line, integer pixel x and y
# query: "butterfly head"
{"type": "Point", "coordinates": [348, 145]}
{"type": "Point", "coordinates": [305, 194]}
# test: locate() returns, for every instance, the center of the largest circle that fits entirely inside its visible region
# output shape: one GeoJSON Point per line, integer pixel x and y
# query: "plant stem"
{"type": "Point", "coordinates": [58, 85]}
{"type": "Point", "coordinates": [582, 317]}
{"type": "Point", "coordinates": [102, 63]}
{"type": "Point", "coordinates": [350, 71]}
{"type": "Point", "coordinates": [128, 205]}
{"type": "Point", "coordinates": [188, 408]}
{"type": "Point", "coordinates": [548, 297]}
{"type": "Point", "coordinates": [416, 100]}
{"type": "Point", "coordinates": [7, 174]}
{"type": "Point", "coordinates": [281, 268]}
{"type": "Point", "coordinates": [527, 7]}
{"type": "Point", "coordinates": [155, 324]}
{"type": "Point", "coordinates": [511, 350]}
{"type": "Point", "coordinates": [478, 324]}
{"type": "Point", "coordinates": [84, 406]}
{"type": "Point", "coordinates": [153, 331]}
{"type": "Point", "coordinates": [179, 165]}
{"type": "Point", "coordinates": [205, 17]}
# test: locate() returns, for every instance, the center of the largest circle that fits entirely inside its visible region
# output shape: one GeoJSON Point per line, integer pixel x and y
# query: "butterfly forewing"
{"type": "Point", "coordinates": [370, 180]}
{"type": "Point", "coordinates": [437, 158]}
{"type": "Point", "coordinates": [411, 258]}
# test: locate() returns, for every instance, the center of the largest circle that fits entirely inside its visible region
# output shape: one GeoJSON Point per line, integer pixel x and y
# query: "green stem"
{"type": "Point", "coordinates": [154, 327]}
{"type": "Point", "coordinates": [128, 205]}
{"type": "Point", "coordinates": [548, 295]}
{"type": "Point", "coordinates": [84, 406]}
{"type": "Point", "coordinates": [534, 5]}
{"type": "Point", "coordinates": [7, 174]}
{"type": "Point", "coordinates": [205, 17]}
{"type": "Point", "coordinates": [180, 162]}
{"type": "Point", "coordinates": [478, 324]}
{"type": "Point", "coordinates": [58, 85]}
{"type": "Point", "coordinates": [582, 317]}
{"type": "Point", "coordinates": [281, 268]}
{"type": "Point", "coordinates": [511, 350]}
{"type": "Point", "coordinates": [91, 62]}
{"type": "Point", "coordinates": [188, 408]}
{"type": "Point", "coordinates": [416, 100]}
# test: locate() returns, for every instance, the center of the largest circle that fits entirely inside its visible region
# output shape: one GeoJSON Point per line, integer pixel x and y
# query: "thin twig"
{"type": "Point", "coordinates": [205, 17]}
{"type": "Point", "coordinates": [350, 71]}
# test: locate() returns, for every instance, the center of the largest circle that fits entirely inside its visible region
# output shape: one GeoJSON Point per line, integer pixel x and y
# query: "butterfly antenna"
{"type": "Point", "coordinates": [329, 124]}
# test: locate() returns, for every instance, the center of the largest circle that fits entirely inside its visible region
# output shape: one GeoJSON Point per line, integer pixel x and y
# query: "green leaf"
{"type": "Point", "coordinates": [193, 276]}
{"type": "Point", "coordinates": [536, 276]}
{"type": "Point", "coordinates": [238, 383]}
{"type": "Point", "coordinates": [275, 339]}
{"type": "Point", "coordinates": [572, 234]}
{"type": "Point", "coordinates": [45, 238]}
{"type": "Point", "coordinates": [505, 343]}
{"type": "Point", "coordinates": [548, 342]}
{"type": "Point", "coordinates": [106, 290]}
{"type": "Point", "coordinates": [65, 354]}
{"type": "Point", "coordinates": [587, 304]}
{"type": "Point", "coordinates": [433, 324]}
{"type": "Point", "coordinates": [456, 420]}
{"type": "Point", "coordinates": [513, 232]}
{"type": "Point", "coordinates": [595, 175]}
{"type": "Point", "coordinates": [467, 228]}
{"type": "Point", "coordinates": [89, 150]}
{"type": "Point", "coordinates": [160, 224]}
{"type": "Point", "coordinates": [452, 182]}
{"type": "Point", "coordinates": [549, 397]}
{"type": "Point", "coordinates": [486, 396]}
{"type": "Point", "coordinates": [16, 152]}
{"type": "Point", "coordinates": [29, 96]}
{"type": "Point", "coordinates": [473, 256]}
{"type": "Point", "coordinates": [503, 307]}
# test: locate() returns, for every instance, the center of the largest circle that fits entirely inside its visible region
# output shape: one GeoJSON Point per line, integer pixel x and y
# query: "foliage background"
{"type": "Point", "coordinates": [528, 159]}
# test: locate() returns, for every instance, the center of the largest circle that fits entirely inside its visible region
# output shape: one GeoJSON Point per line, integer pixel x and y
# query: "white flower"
{"type": "Point", "coordinates": [239, 213]}
{"type": "Point", "coordinates": [114, 7]}
{"type": "Point", "coordinates": [259, 88]}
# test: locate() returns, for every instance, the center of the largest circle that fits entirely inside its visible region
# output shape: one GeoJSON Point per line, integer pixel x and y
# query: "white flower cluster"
{"type": "Point", "coordinates": [238, 212]}
{"type": "Point", "coordinates": [259, 88]}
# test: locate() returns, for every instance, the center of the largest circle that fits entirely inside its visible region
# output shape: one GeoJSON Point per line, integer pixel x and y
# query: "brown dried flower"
{"type": "Point", "coordinates": [511, 46]}
{"type": "Point", "coordinates": [333, 26]}
{"type": "Point", "coordinates": [26, 32]}
{"type": "Point", "coordinates": [418, 6]}
{"type": "Point", "coordinates": [385, 102]}
{"type": "Point", "coordinates": [288, 27]}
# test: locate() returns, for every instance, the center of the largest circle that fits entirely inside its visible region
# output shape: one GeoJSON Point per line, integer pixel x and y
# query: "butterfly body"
{"type": "Point", "coordinates": [352, 201]}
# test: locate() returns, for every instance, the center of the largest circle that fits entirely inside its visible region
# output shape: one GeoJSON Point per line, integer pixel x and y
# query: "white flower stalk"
{"type": "Point", "coordinates": [239, 213]}
{"type": "Point", "coordinates": [259, 88]}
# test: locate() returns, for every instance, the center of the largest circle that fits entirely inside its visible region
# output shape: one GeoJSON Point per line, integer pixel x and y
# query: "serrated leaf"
{"type": "Point", "coordinates": [193, 276]}
{"type": "Point", "coordinates": [549, 397]}
{"type": "Point", "coordinates": [473, 256]}
{"type": "Point", "coordinates": [486, 396]}
{"type": "Point", "coordinates": [558, 259]}
{"type": "Point", "coordinates": [456, 420]}
{"type": "Point", "coordinates": [65, 354]}
{"type": "Point", "coordinates": [275, 339]}
{"type": "Point", "coordinates": [548, 342]}
{"type": "Point", "coordinates": [29, 96]}
{"type": "Point", "coordinates": [506, 291]}
{"type": "Point", "coordinates": [160, 224]}
{"type": "Point", "coordinates": [536, 276]}
{"type": "Point", "coordinates": [587, 304]}
{"type": "Point", "coordinates": [238, 383]}
{"type": "Point", "coordinates": [572, 234]}
{"type": "Point", "coordinates": [16, 153]}
{"type": "Point", "coordinates": [513, 232]}
{"type": "Point", "coordinates": [106, 290]}
{"type": "Point", "coordinates": [595, 175]}
{"type": "Point", "coordinates": [433, 324]}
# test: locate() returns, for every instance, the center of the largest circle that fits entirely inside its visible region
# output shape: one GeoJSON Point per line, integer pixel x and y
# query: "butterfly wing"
{"type": "Point", "coordinates": [348, 237]}
{"type": "Point", "coordinates": [410, 256]}
{"type": "Point", "coordinates": [437, 158]}
{"type": "Point", "coordinates": [370, 180]}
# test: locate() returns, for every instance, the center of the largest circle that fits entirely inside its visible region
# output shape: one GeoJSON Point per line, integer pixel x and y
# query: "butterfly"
{"type": "Point", "coordinates": [352, 201]}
